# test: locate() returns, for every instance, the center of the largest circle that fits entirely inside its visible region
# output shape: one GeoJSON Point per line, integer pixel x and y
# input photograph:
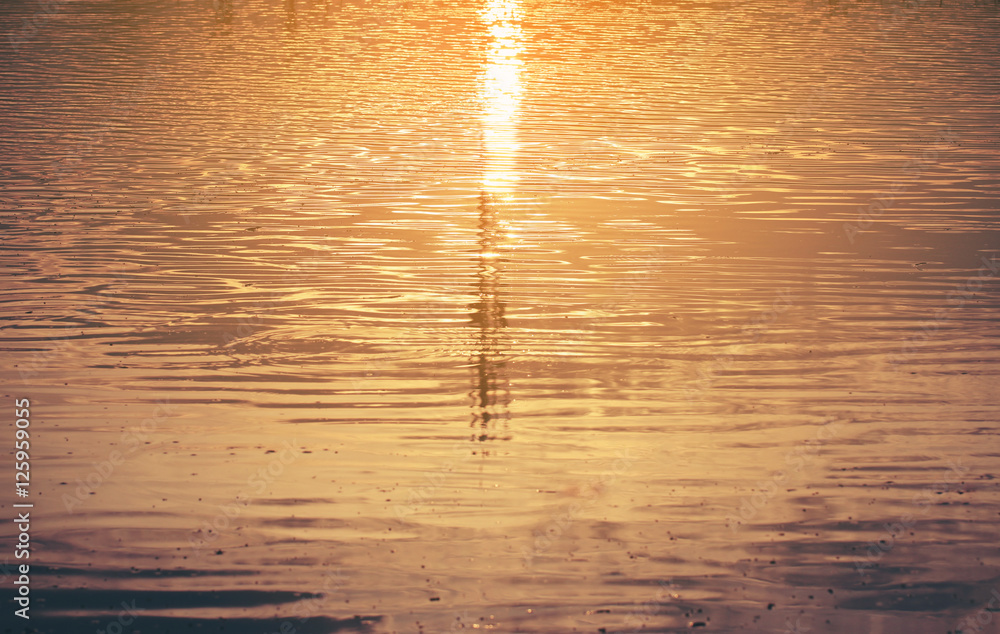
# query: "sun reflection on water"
{"type": "Point", "coordinates": [501, 93]}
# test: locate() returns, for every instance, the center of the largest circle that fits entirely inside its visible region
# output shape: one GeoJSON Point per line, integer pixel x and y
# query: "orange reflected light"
{"type": "Point", "coordinates": [501, 94]}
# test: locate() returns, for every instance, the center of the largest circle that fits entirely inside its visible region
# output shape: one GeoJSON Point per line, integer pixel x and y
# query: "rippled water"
{"type": "Point", "coordinates": [420, 316]}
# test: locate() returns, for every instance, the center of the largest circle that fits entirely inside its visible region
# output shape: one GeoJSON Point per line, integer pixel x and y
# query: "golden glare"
{"type": "Point", "coordinates": [501, 92]}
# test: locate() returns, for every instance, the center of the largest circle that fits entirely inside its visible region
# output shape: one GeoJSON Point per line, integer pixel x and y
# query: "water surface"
{"type": "Point", "coordinates": [526, 316]}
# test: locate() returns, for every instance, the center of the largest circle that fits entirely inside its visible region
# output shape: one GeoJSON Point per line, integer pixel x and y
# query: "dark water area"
{"type": "Point", "coordinates": [572, 316]}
